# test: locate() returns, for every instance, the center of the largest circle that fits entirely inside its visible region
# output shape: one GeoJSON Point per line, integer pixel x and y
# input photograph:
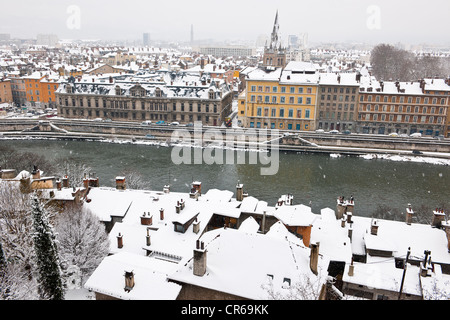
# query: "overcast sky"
{"type": "Point", "coordinates": [388, 21]}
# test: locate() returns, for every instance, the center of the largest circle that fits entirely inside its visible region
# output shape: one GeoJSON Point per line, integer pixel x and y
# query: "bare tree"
{"type": "Point", "coordinates": [73, 169]}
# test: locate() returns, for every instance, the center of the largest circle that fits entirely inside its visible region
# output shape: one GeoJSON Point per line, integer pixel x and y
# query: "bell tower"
{"type": "Point", "coordinates": [274, 53]}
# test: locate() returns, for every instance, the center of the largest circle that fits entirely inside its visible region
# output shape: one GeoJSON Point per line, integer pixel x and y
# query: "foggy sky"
{"type": "Point", "coordinates": [326, 20]}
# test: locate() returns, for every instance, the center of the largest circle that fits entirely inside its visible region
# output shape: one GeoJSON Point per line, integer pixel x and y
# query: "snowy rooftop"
{"type": "Point", "coordinates": [150, 276]}
{"type": "Point", "coordinates": [233, 254]}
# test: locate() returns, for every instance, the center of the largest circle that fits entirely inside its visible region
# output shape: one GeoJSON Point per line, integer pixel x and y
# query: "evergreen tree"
{"type": "Point", "coordinates": [49, 272]}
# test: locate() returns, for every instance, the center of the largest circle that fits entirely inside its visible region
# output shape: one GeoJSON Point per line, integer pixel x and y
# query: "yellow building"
{"type": "Point", "coordinates": [277, 98]}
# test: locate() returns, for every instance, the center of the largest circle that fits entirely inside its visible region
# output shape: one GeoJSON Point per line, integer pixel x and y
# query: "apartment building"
{"type": "Point", "coordinates": [404, 107]}
{"type": "Point", "coordinates": [280, 98]}
{"type": "Point", "coordinates": [337, 107]}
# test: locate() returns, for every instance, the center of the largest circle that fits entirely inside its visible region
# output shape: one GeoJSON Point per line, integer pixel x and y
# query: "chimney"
{"type": "Point", "coordinates": [36, 173]}
{"type": "Point", "coordinates": [409, 214]}
{"type": "Point", "coordinates": [166, 189]}
{"type": "Point", "coordinates": [374, 227]}
{"type": "Point", "coordinates": [438, 217]}
{"type": "Point", "coordinates": [351, 269]}
{"type": "Point", "coordinates": [129, 280]}
{"type": "Point", "coordinates": [341, 207]}
{"type": "Point", "coordinates": [178, 207]}
{"type": "Point", "coordinates": [196, 226]}
{"type": "Point", "coordinates": [146, 219]}
{"type": "Point", "coordinates": [148, 242]}
{"type": "Point", "coordinates": [161, 214]}
{"type": "Point", "coordinates": [58, 184]}
{"type": "Point", "coordinates": [182, 204]}
{"type": "Point", "coordinates": [120, 183]}
{"type": "Point", "coordinates": [239, 191]}
{"type": "Point", "coordinates": [314, 258]}
{"type": "Point", "coordinates": [120, 241]}
{"type": "Point", "coordinates": [425, 265]}
{"type": "Point", "coordinates": [65, 182]}
{"type": "Point", "coordinates": [200, 259]}
{"type": "Point", "coordinates": [350, 231]}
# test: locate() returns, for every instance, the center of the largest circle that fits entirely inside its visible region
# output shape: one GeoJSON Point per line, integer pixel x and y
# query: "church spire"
{"type": "Point", "coordinates": [275, 38]}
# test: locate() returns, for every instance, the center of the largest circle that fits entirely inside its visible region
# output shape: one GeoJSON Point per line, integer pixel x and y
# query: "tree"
{"type": "Point", "coordinates": [73, 169]}
{"type": "Point", "coordinates": [82, 240]}
{"type": "Point", "coordinates": [49, 272]}
{"type": "Point", "coordinates": [15, 228]}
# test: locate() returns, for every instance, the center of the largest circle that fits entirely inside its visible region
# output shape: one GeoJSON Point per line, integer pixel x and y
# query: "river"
{"type": "Point", "coordinates": [313, 179]}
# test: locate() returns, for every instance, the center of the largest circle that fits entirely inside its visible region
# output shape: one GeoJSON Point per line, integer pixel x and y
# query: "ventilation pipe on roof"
{"type": "Point", "coordinates": [314, 257]}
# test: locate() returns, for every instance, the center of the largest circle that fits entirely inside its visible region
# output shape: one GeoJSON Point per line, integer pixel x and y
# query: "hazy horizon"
{"type": "Point", "coordinates": [323, 21]}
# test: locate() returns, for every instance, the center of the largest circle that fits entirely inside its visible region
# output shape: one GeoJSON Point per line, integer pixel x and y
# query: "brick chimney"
{"type": "Point", "coordinates": [65, 181]}
{"type": "Point", "coordinates": [129, 280]}
{"type": "Point", "coordinates": [146, 219]}
{"type": "Point", "coordinates": [120, 183]}
{"type": "Point", "coordinates": [120, 241]}
{"type": "Point", "coordinates": [58, 184]}
{"type": "Point", "coordinates": [438, 217]}
{"type": "Point", "coordinates": [161, 214]}
{"type": "Point", "coordinates": [197, 185]}
{"type": "Point", "coordinates": [314, 257]}
{"type": "Point", "coordinates": [166, 189]}
{"type": "Point", "coordinates": [341, 207]}
{"type": "Point", "coordinates": [374, 227]}
{"type": "Point", "coordinates": [200, 259]}
{"type": "Point", "coordinates": [409, 214]}
{"type": "Point", "coordinates": [446, 226]}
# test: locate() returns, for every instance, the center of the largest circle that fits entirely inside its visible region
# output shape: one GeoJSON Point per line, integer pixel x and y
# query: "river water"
{"type": "Point", "coordinates": [313, 179]}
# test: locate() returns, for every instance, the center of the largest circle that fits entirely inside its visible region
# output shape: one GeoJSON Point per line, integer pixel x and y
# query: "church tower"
{"type": "Point", "coordinates": [274, 53]}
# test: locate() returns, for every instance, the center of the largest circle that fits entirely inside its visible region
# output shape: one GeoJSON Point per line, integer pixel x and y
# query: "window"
{"type": "Point", "coordinates": [281, 112]}
{"type": "Point", "coordinates": [291, 100]}
{"type": "Point", "coordinates": [299, 113]}
{"type": "Point", "coordinates": [308, 100]}
{"type": "Point", "coordinates": [291, 113]}
{"type": "Point", "coordinates": [258, 112]}
{"type": "Point", "coordinates": [292, 89]}
{"type": "Point", "coordinates": [300, 100]}
{"type": "Point", "coordinates": [266, 99]}
{"type": "Point", "coordinates": [274, 99]}
{"type": "Point", "coordinates": [273, 112]}
{"type": "Point", "coordinates": [309, 90]}
{"type": "Point", "coordinates": [300, 90]}
{"type": "Point", "coordinates": [274, 89]}
{"type": "Point", "coordinates": [282, 99]}
{"type": "Point", "coordinates": [283, 89]}
{"type": "Point", "coordinates": [307, 112]}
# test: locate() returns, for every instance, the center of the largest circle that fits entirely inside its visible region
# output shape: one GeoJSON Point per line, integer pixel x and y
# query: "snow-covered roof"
{"type": "Point", "coordinates": [241, 263]}
{"type": "Point", "coordinates": [150, 278]}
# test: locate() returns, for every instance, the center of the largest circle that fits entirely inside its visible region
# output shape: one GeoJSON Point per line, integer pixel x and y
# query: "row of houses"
{"type": "Point", "coordinates": [223, 244]}
{"type": "Point", "coordinates": [300, 97]}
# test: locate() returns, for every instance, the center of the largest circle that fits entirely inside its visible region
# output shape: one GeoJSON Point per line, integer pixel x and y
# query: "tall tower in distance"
{"type": "Point", "coordinates": [146, 39]}
{"type": "Point", "coordinates": [274, 53]}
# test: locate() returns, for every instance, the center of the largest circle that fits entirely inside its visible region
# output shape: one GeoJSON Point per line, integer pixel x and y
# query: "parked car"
{"type": "Point", "coordinates": [149, 136]}
{"type": "Point", "coordinates": [174, 123]}
{"type": "Point", "coordinates": [160, 122]}
{"type": "Point", "coordinates": [146, 123]}
{"type": "Point", "coordinates": [98, 119]}
{"type": "Point", "coordinates": [417, 152]}
{"type": "Point", "coordinates": [320, 131]}
{"type": "Point", "coordinates": [346, 132]}
{"type": "Point", "coordinates": [415, 135]}
{"type": "Point", "coordinates": [334, 131]}
{"type": "Point", "coordinates": [393, 134]}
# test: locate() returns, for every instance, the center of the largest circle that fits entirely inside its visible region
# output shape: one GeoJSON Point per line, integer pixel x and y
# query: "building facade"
{"type": "Point", "coordinates": [159, 97]}
{"type": "Point", "coordinates": [404, 107]}
{"type": "Point", "coordinates": [5, 91]}
{"type": "Point", "coordinates": [282, 99]}
{"type": "Point", "coordinates": [337, 108]}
